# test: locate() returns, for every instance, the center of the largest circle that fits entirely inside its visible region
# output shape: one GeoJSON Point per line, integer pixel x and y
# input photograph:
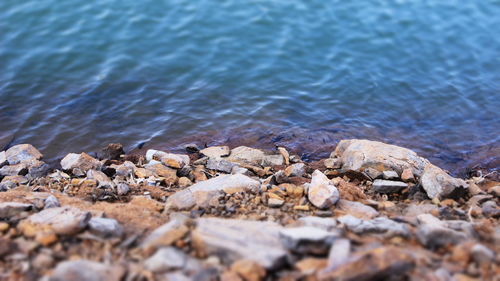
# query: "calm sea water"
{"type": "Point", "coordinates": [75, 75]}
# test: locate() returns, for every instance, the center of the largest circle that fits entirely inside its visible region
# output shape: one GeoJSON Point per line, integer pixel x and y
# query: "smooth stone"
{"type": "Point", "coordinates": [62, 220]}
{"type": "Point", "coordinates": [357, 209]}
{"type": "Point", "coordinates": [322, 193]}
{"type": "Point", "coordinates": [105, 227]}
{"type": "Point", "coordinates": [387, 186]}
{"type": "Point", "coordinates": [327, 224]}
{"type": "Point", "coordinates": [377, 225]}
{"type": "Point", "coordinates": [202, 192]}
{"type": "Point", "coordinates": [482, 254]}
{"type": "Point", "coordinates": [79, 164]}
{"type": "Point", "coordinates": [220, 165]}
{"type": "Point", "coordinates": [103, 181]}
{"type": "Point", "coordinates": [22, 153]}
{"type": "Point", "coordinates": [308, 240]}
{"type": "Point", "coordinates": [10, 209]}
{"type": "Point", "coordinates": [339, 252]}
{"type": "Point", "coordinates": [438, 184]}
{"type": "Point", "coordinates": [216, 151]}
{"type": "Point", "coordinates": [296, 170]}
{"type": "Point", "coordinates": [357, 155]}
{"type": "Point", "coordinates": [232, 239]}
{"type": "Point", "coordinates": [51, 202]}
{"type": "Point", "coordinates": [85, 270]}
{"type": "Point", "coordinates": [244, 154]}
{"type": "Point", "coordinates": [390, 175]}
{"type": "Point", "coordinates": [381, 263]}
{"type": "Point", "coordinates": [122, 189]}
{"type": "Point", "coordinates": [166, 259]}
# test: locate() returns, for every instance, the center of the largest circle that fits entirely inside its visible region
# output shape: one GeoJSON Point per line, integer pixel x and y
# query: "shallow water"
{"type": "Point", "coordinates": [75, 75]}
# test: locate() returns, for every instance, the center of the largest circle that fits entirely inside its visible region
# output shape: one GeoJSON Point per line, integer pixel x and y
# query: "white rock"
{"type": "Point", "coordinates": [308, 240]}
{"type": "Point", "coordinates": [63, 220]}
{"type": "Point", "coordinates": [168, 159]}
{"type": "Point", "coordinates": [390, 175]}
{"type": "Point", "coordinates": [21, 153]}
{"type": "Point", "coordinates": [377, 225]}
{"type": "Point", "coordinates": [387, 186]}
{"type": "Point", "coordinates": [158, 236]}
{"type": "Point", "coordinates": [244, 154]}
{"type": "Point", "coordinates": [216, 151]}
{"type": "Point", "coordinates": [166, 259]}
{"type": "Point", "coordinates": [327, 224]}
{"type": "Point", "coordinates": [51, 202]}
{"type": "Point", "coordinates": [275, 202]}
{"type": "Point", "coordinates": [339, 252]}
{"type": "Point", "coordinates": [85, 270]}
{"type": "Point", "coordinates": [438, 184]}
{"type": "Point", "coordinates": [105, 227]}
{"type": "Point", "coordinates": [322, 193]}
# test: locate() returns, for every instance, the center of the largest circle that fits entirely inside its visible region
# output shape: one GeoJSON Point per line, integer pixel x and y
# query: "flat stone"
{"type": "Point", "coordinates": [220, 165]}
{"type": "Point", "coordinates": [85, 270]}
{"type": "Point", "coordinates": [308, 240]}
{"type": "Point", "coordinates": [166, 259]}
{"type": "Point", "coordinates": [21, 153]}
{"type": "Point", "coordinates": [381, 263]}
{"type": "Point", "coordinates": [202, 192]}
{"type": "Point", "coordinates": [79, 164]}
{"type": "Point", "coordinates": [105, 227]}
{"type": "Point", "coordinates": [377, 225]}
{"type": "Point", "coordinates": [51, 202]}
{"type": "Point", "coordinates": [327, 224]}
{"type": "Point", "coordinates": [244, 154]}
{"type": "Point", "coordinates": [62, 220]}
{"type": "Point", "coordinates": [322, 193]}
{"type": "Point", "coordinates": [296, 170]}
{"type": "Point", "coordinates": [231, 240]}
{"type": "Point", "coordinates": [275, 202]}
{"type": "Point", "coordinates": [166, 234]}
{"type": "Point", "coordinates": [10, 209]}
{"type": "Point", "coordinates": [358, 155]}
{"type": "Point", "coordinates": [172, 160]}
{"type": "Point", "coordinates": [438, 184]}
{"type": "Point", "coordinates": [386, 186]}
{"type": "Point", "coordinates": [339, 252]}
{"type": "Point", "coordinates": [216, 151]}
{"type": "Point", "coordinates": [103, 181]}
{"type": "Point", "coordinates": [357, 209]}
{"type": "Point", "coordinates": [434, 233]}
{"type": "Point", "coordinates": [390, 175]}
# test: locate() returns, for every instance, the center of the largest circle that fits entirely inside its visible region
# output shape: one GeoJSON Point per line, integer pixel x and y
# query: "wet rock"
{"type": "Point", "coordinates": [438, 184]}
{"type": "Point", "coordinates": [122, 189]}
{"type": "Point", "coordinates": [10, 182]}
{"type": "Point", "coordinates": [112, 151]}
{"type": "Point", "coordinates": [275, 202]}
{"type": "Point", "coordinates": [166, 234]}
{"type": "Point", "coordinates": [166, 259]}
{"type": "Point", "coordinates": [202, 192]}
{"type": "Point", "coordinates": [390, 175]}
{"type": "Point", "coordinates": [296, 170]}
{"type": "Point", "coordinates": [172, 160]}
{"type": "Point", "coordinates": [339, 252]}
{"type": "Point", "coordinates": [407, 175]}
{"type": "Point", "coordinates": [243, 154]}
{"type": "Point", "coordinates": [79, 164]}
{"type": "Point", "coordinates": [10, 209]}
{"type": "Point", "coordinates": [357, 209]}
{"type": "Point", "coordinates": [249, 270]}
{"type": "Point", "coordinates": [327, 224]}
{"type": "Point", "coordinates": [216, 151]}
{"type": "Point", "coordinates": [308, 240]}
{"type": "Point", "coordinates": [105, 227]}
{"type": "Point", "coordinates": [322, 193]}
{"type": "Point", "coordinates": [85, 270]}
{"type": "Point", "coordinates": [220, 165]}
{"type": "Point", "coordinates": [482, 254]}
{"type": "Point", "coordinates": [386, 186]}
{"type": "Point", "coordinates": [232, 240]}
{"type": "Point", "coordinates": [3, 159]}
{"type": "Point", "coordinates": [377, 225]}
{"type": "Point", "coordinates": [384, 263]}
{"type": "Point", "coordinates": [22, 153]}
{"type": "Point", "coordinates": [434, 233]}
{"type": "Point", "coordinates": [103, 181]}
{"type": "Point", "coordinates": [361, 154]}
{"type": "Point", "coordinates": [62, 220]}
{"type": "Point", "coordinates": [51, 202]}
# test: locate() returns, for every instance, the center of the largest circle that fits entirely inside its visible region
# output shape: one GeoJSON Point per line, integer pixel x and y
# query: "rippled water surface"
{"type": "Point", "coordinates": [75, 75]}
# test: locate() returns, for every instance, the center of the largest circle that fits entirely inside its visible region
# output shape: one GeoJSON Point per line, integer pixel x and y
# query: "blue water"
{"type": "Point", "coordinates": [75, 75]}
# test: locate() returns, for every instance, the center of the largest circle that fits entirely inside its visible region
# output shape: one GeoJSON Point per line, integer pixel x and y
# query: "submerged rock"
{"type": "Point", "coordinates": [21, 153]}
{"type": "Point", "coordinates": [85, 270]}
{"type": "Point", "coordinates": [322, 193]}
{"type": "Point", "coordinates": [438, 184]}
{"type": "Point", "coordinates": [79, 164]}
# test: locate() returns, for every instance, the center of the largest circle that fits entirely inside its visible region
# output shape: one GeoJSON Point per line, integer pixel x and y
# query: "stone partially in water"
{"type": "Point", "coordinates": [322, 193]}
{"type": "Point", "coordinates": [85, 270]}
{"type": "Point", "coordinates": [21, 153]}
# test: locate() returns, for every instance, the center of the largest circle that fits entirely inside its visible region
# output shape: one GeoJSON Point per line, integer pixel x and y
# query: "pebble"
{"type": "Point", "coordinates": [322, 193]}
{"type": "Point", "coordinates": [275, 202]}
{"type": "Point", "coordinates": [105, 227]}
{"type": "Point", "coordinates": [86, 270]}
{"type": "Point", "coordinates": [386, 186]}
{"type": "Point", "coordinates": [51, 202]}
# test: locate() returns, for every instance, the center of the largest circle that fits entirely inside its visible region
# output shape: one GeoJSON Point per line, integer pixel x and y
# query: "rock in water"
{"type": "Point", "coordinates": [232, 240]}
{"type": "Point", "coordinates": [322, 193]}
{"type": "Point", "coordinates": [21, 153]}
{"type": "Point", "coordinates": [85, 270]}
{"type": "Point", "coordinates": [201, 193]}
{"type": "Point", "coordinates": [387, 186]}
{"type": "Point", "coordinates": [438, 184]}
{"type": "Point", "coordinates": [79, 164]}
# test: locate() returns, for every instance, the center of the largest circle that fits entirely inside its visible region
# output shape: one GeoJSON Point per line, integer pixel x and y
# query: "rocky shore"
{"type": "Point", "coordinates": [371, 211]}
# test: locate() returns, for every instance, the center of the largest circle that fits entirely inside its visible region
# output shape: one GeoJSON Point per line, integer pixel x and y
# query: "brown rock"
{"type": "Point", "coordinates": [166, 234]}
{"type": "Point", "coordinates": [249, 270]}
{"type": "Point", "coordinates": [407, 175]}
{"type": "Point", "coordinates": [143, 173]}
{"type": "Point", "coordinates": [285, 154]}
{"type": "Point", "coordinates": [292, 190]}
{"type": "Point", "coordinates": [216, 151]}
{"type": "Point", "coordinates": [62, 220]}
{"type": "Point", "coordinates": [308, 266]}
{"type": "Point", "coordinates": [161, 170]}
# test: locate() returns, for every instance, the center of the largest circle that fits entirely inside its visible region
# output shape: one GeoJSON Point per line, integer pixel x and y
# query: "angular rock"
{"type": "Point", "coordinates": [387, 186]}
{"type": "Point", "coordinates": [160, 170]}
{"type": "Point", "coordinates": [249, 270]}
{"type": "Point", "coordinates": [377, 225]}
{"type": "Point", "coordinates": [285, 154]}
{"type": "Point", "coordinates": [295, 170]}
{"type": "Point", "coordinates": [407, 176]}
{"type": "Point", "coordinates": [14, 170]}
{"type": "Point", "coordinates": [438, 184]}
{"type": "Point", "coordinates": [21, 153]}
{"type": "Point", "coordinates": [220, 165]}
{"type": "Point", "coordinates": [308, 240]}
{"type": "Point", "coordinates": [232, 240]}
{"type": "Point", "coordinates": [490, 209]}
{"type": "Point", "coordinates": [166, 234]}
{"type": "Point", "coordinates": [361, 154]}
{"type": "Point", "coordinates": [202, 192]}
{"type": "Point", "coordinates": [382, 263]}
{"type": "Point", "coordinates": [105, 227]}
{"type": "Point", "coordinates": [357, 209]}
{"type": "Point", "coordinates": [51, 202]}
{"type": "Point", "coordinates": [10, 182]}
{"type": "Point", "coordinates": [434, 233]}
{"type": "Point", "coordinates": [124, 170]}
{"type": "Point", "coordinates": [372, 173]}
{"type": "Point", "coordinates": [79, 164]}
{"type": "Point", "coordinates": [390, 175]}
{"type": "Point", "coordinates": [244, 154]}
{"type": "Point", "coordinates": [36, 169]}
{"type": "Point", "coordinates": [322, 193]}
{"type": "Point", "coordinates": [339, 252]}
{"type": "Point", "coordinates": [85, 270]}
{"type": "Point", "coordinates": [327, 224]}
{"type": "Point", "coordinates": [62, 220]}
{"type": "Point", "coordinates": [10, 209]}
{"type": "Point", "coordinates": [332, 163]}
{"type": "Point", "coordinates": [112, 151]}
{"type": "Point", "coordinates": [103, 181]}
{"type": "Point", "coordinates": [172, 160]}
{"type": "Point", "coordinates": [166, 259]}
{"type": "Point", "coordinates": [216, 151]}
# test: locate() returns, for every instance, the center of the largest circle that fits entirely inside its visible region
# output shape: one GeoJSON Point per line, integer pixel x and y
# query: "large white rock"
{"type": "Point", "coordinates": [22, 152]}
{"type": "Point", "coordinates": [61, 220]}
{"type": "Point", "coordinates": [322, 193]}
{"type": "Point", "coordinates": [79, 164]}
{"type": "Point", "coordinates": [244, 154]}
{"type": "Point", "coordinates": [438, 184]}
{"type": "Point", "coordinates": [202, 192]}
